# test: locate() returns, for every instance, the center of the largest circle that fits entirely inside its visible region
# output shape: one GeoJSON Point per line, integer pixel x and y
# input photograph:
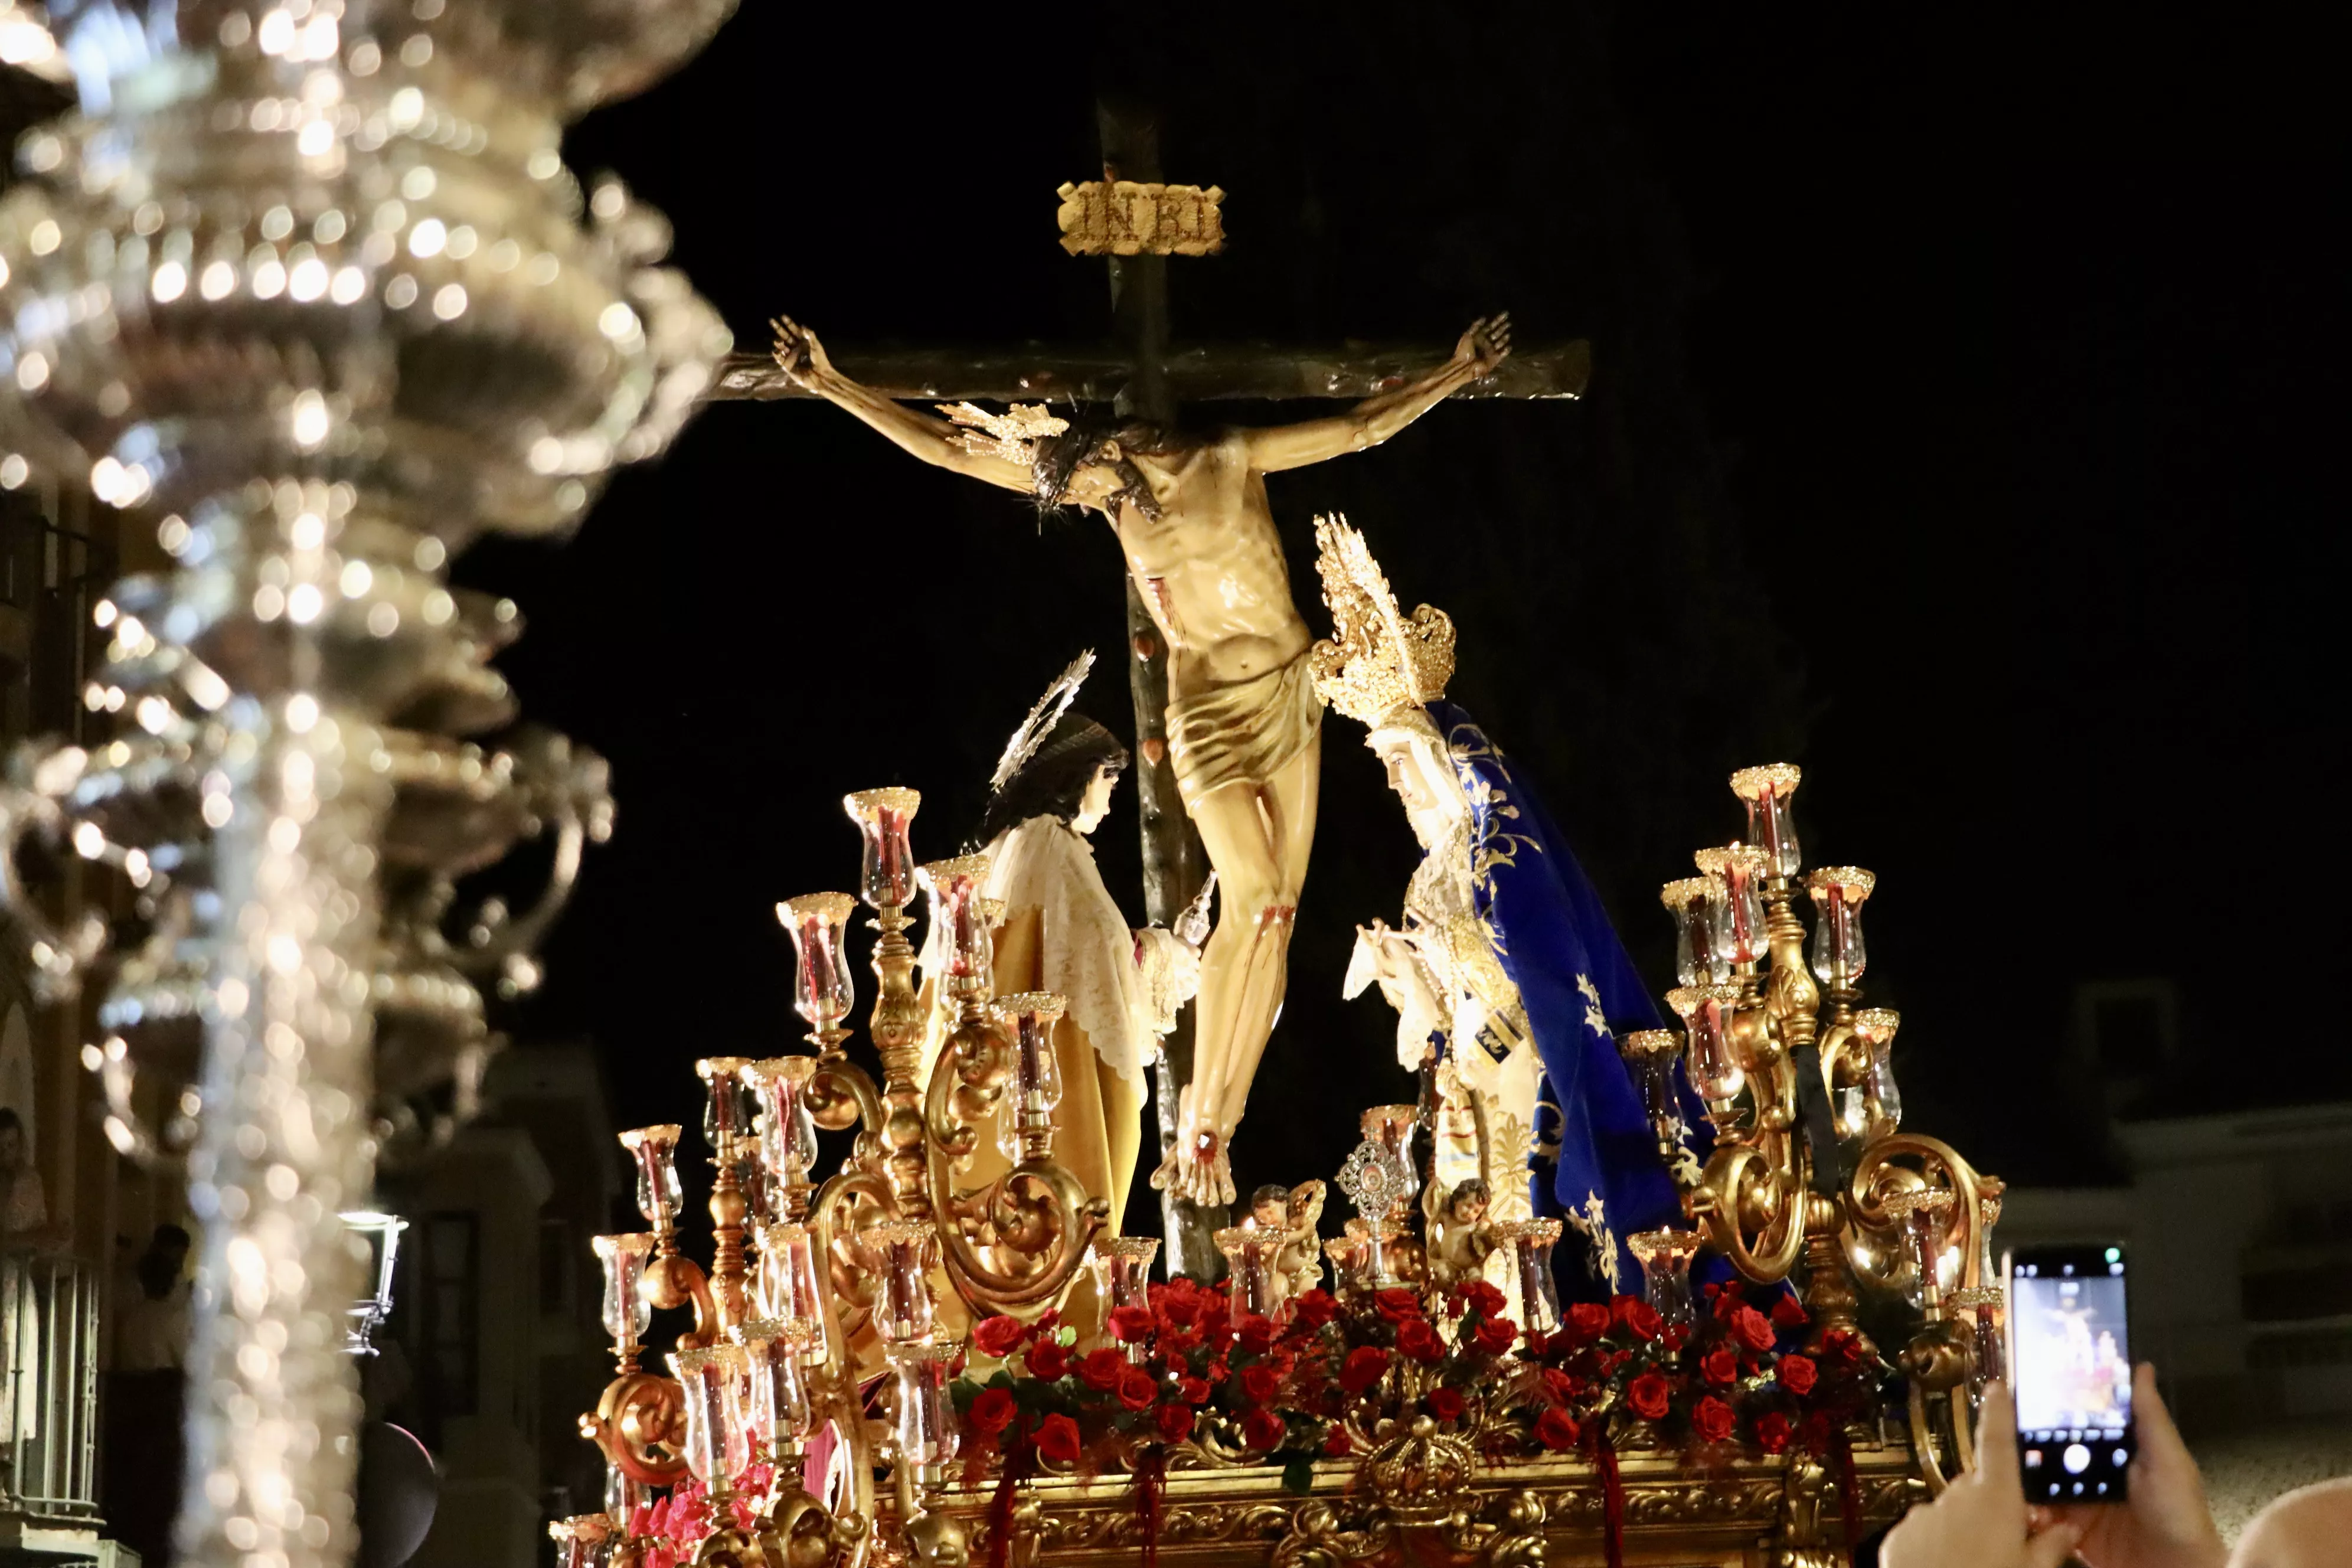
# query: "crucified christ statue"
{"type": "Point", "coordinates": [1244, 719]}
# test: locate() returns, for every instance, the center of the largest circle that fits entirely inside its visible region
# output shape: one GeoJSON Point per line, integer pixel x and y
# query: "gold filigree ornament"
{"type": "Point", "coordinates": [1376, 661]}
{"type": "Point", "coordinates": [1012, 435]}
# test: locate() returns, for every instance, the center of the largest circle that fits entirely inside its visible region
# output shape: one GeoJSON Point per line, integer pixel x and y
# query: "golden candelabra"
{"type": "Point", "coordinates": [758, 1421]}
{"type": "Point", "coordinates": [814, 1288]}
{"type": "Point", "coordinates": [1848, 1197]}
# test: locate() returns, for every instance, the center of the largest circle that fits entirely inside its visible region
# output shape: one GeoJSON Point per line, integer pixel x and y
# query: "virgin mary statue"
{"type": "Point", "coordinates": [1506, 976]}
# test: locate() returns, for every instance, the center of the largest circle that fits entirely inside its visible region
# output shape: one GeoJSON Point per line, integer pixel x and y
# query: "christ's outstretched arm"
{"type": "Point", "coordinates": [932, 439]}
{"type": "Point", "coordinates": [1485, 345]}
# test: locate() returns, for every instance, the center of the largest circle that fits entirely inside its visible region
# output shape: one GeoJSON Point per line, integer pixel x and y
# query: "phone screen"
{"type": "Point", "coordinates": [2070, 1370]}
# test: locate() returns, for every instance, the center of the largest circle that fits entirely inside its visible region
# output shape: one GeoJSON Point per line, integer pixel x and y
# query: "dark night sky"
{"type": "Point", "coordinates": [1955, 432]}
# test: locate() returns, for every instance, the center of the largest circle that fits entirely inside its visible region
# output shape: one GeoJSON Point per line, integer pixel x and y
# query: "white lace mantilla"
{"type": "Point", "coordinates": [1086, 952]}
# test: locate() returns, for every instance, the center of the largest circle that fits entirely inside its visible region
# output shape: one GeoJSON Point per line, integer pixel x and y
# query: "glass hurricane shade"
{"type": "Point", "coordinates": [960, 919]}
{"type": "Point", "coordinates": [1735, 906]}
{"type": "Point", "coordinates": [1766, 792]}
{"type": "Point", "coordinates": [926, 1415]}
{"type": "Point", "coordinates": [1838, 893]}
{"type": "Point", "coordinates": [1665, 1259]}
{"type": "Point", "coordinates": [774, 1350]}
{"type": "Point", "coordinates": [1651, 1054]}
{"type": "Point", "coordinates": [717, 1445]}
{"type": "Point", "coordinates": [887, 871]}
{"type": "Point", "coordinates": [1250, 1253]}
{"type": "Point", "coordinates": [778, 1087]}
{"type": "Point", "coordinates": [626, 1313]}
{"type": "Point", "coordinates": [1705, 1012]}
{"type": "Point", "coordinates": [1529, 1243]}
{"type": "Point", "coordinates": [726, 1110]}
{"type": "Point", "coordinates": [823, 992]}
{"type": "Point", "coordinates": [1028, 1018]}
{"type": "Point", "coordinates": [784, 1286]}
{"type": "Point", "coordinates": [1691, 903]}
{"type": "Point", "coordinates": [1922, 1214]}
{"type": "Point", "coordinates": [902, 1252]}
{"type": "Point", "coordinates": [655, 1150]}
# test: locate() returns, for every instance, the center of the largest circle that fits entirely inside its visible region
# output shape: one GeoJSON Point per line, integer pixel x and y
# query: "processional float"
{"type": "Point", "coordinates": [1412, 1413]}
{"type": "Point", "coordinates": [306, 282]}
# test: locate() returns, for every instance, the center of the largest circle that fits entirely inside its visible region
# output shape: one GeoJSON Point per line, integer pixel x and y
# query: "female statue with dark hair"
{"type": "Point", "coordinates": [1061, 932]}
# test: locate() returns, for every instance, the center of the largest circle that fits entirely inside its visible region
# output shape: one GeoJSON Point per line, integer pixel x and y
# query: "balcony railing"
{"type": "Point", "coordinates": [48, 1386]}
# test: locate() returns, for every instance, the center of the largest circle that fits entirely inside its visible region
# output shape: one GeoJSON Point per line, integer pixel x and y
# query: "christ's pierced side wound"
{"type": "Point", "coordinates": [1121, 217]}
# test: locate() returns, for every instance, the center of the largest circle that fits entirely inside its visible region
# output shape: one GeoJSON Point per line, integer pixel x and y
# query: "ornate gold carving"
{"type": "Point", "coordinates": [1126, 218]}
{"type": "Point", "coordinates": [1377, 661]}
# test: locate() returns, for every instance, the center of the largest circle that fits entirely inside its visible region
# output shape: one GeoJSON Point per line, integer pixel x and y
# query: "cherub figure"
{"type": "Point", "coordinates": [1461, 1237]}
{"type": "Point", "coordinates": [1299, 1211]}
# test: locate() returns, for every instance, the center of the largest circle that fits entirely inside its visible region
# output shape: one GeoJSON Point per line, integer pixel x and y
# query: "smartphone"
{"type": "Point", "coordinates": [2070, 1370]}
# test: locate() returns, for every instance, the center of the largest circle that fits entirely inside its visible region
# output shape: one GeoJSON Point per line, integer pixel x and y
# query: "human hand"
{"type": "Point", "coordinates": [1981, 1520]}
{"type": "Point", "coordinates": [2165, 1524]}
{"type": "Point", "coordinates": [1486, 344]}
{"type": "Point", "coordinates": [799, 354]}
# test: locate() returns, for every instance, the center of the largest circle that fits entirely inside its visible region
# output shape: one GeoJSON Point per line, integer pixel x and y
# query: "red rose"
{"type": "Point", "coordinates": [1131, 1323]}
{"type": "Point", "coordinates": [1260, 1383]}
{"type": "Point", "coordinates": [1587, 1322]}
{"type": "Point", "coordinates": [1481, 1298]}
{"type": "Point", "coordinates": [1137, 1388]}
{"type": "Point", "coordinates": [1396, 1306]}
{"type": "Point", "coordinates": [1556, 1430]}
{"type": "Point", "coordinates": [1620, 1305]}
{"type": "Point", "coordinates": [1337, 1443]}
{"type": "Point", "coordinates": [1315, 1308]}
{"type": "Point", "coordinates": [1788, 1314]}
{"type": "Point", "coordinates": [1711, 1419]}
{"type": "Point", "coordinates": [1175, 1422]}
{"type": "Point", "coordinates": [1262, 1429]}
{"type": "Point", "coordinates": [1648, 1395]}
{"type": "Point", "coordinates": [1177, 1309]}
{"type": "Point", "coordinates": [1494, 1335]}
{"type": "Point", "coordinates": [1644, 1319]}
{"type": "Point", "coordinates": [1844, 1345]}
{"type": "Point", "coordinates": [1218, 1372]}
{"type": "Point", "coordinates": [1256, 1334]}
{"type": "Point", "coordinates": [1445, 1403]}
{"type": "Point", "coordinates": [1102, 1369]}
{"type": "Point", "coordinates": [1752, 1329]}
{"type": "Point", "coordinates": [1727, 1300]}
{"type": "Point", "coordinates": [1561, 1385]}
{"type": "Point", "coordinates": [1797, 1373]}
{"type": "Point", "coordinates": [1417, 1339]}
{"type": "Point", "coordinates": [991, 1411]}
{"type": "Point", "coordinates": [999, 1336]}
{"type": "Point", "coordinates": [1719, 1364]}
{"type": "Point", "coordinates": [1364, 1367]}
{"type": "Point", "coordinates": [1057, 1439]}
{"type": "Point", "coordinates": [1192, 1390]}
{"type": "Point", "coordinates": [1772, 1431]}
{"type": "Point", "coordinates": [1049, 1359]}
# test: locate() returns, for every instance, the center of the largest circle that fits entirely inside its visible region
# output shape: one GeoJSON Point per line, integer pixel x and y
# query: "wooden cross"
{"type": "Point", "coordinates": [1145, 377]}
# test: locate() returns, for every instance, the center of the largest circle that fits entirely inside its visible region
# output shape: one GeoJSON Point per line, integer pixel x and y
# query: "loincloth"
{"type": "Point", "coordinates": [1242, 731]}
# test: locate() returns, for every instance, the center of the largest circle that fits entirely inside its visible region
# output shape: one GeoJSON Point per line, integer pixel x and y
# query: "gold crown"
{"type": "Point", "coordinates": [1377, 661]}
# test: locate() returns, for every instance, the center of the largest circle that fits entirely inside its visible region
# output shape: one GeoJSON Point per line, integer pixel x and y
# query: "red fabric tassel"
{"type": "Point", "coordinates": [1019, 1458]}
{"type": "Point", "coordinates": [1613, 1500]}
{"type": "Point", "coordinates": [1150, 1486]}
{"type": "Point", "coordinates": [1848, 1494]}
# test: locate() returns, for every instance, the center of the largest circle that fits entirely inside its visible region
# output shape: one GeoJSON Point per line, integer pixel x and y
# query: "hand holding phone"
{"type": "Point", "coordinates": [2166, 1524]}
{"type": "Point", "coordinates": [2070, 1371]}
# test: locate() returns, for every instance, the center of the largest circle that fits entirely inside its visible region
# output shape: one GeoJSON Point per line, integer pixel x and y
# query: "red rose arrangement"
{"type": "Point", "coordinates": [1314, 1383]}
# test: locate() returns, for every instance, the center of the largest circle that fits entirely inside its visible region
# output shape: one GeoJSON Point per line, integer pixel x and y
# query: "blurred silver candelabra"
{"type": "Point", "coordinates": [305, 282]}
